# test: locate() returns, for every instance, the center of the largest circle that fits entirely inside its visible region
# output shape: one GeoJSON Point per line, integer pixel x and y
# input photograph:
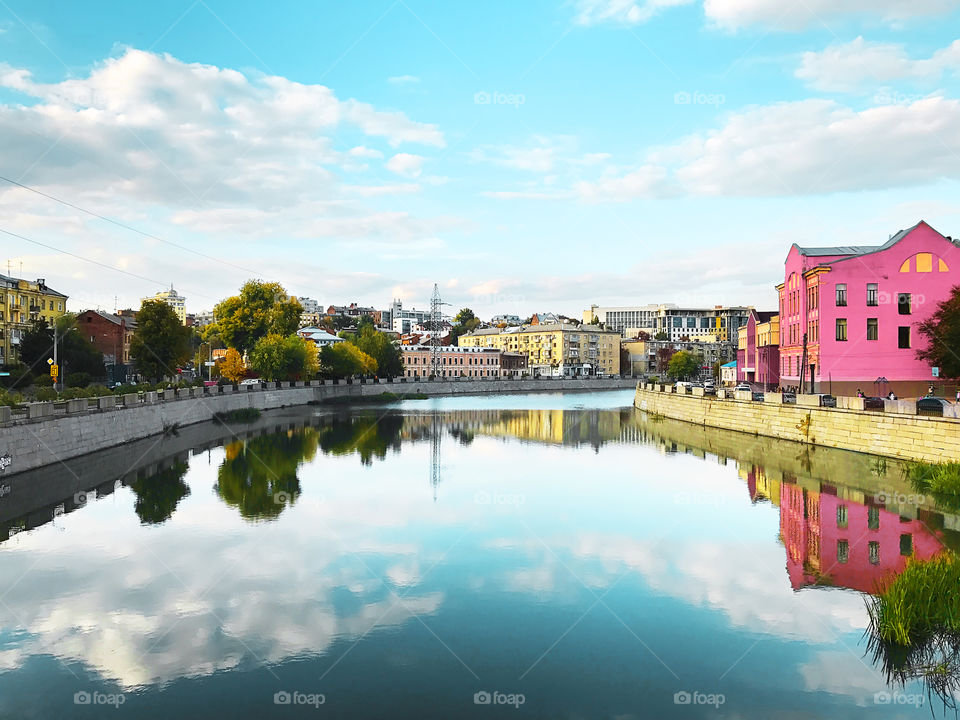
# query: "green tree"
{"type": "Point", "coordinates": [160, 342]}
{"type": "Point", "coordinates": [345, 359]}
{"type": "Point", "coordinates": [942, 333]}
{"type": "Point", "coordinates": [661, 336]}
{"type": "Point", "coordinates": [684, 364]}
{"type": "Point", "coordinates": [285, 358]}
{"type": "Point", "coordinates": [381, 348]}
{"type": "Point", "coordinates": [465, 315]}
{"type": "Point", "coordinates": [261, 308]}
{"type": "Point", "coordinates": [75, 353]}
{"type": "Point", "coordinates": [464, 322]}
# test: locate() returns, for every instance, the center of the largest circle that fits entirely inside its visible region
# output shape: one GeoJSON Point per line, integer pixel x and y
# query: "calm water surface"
{"type": "Point", "coordinates": [559, 556]}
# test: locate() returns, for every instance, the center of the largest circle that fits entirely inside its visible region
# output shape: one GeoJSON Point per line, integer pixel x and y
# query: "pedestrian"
{"type": "Point", "coordinates": [891, 396]}
{"type": "Point", "coordinates": [859, 393]}
{"type": "Point", "coordinates": [930, 390]}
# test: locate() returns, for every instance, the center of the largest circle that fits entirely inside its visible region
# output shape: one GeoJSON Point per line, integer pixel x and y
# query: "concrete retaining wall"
{"type": "Point", "coordinates": [49, 432]}
{"type": "Point", "coordinates": [893, 434]}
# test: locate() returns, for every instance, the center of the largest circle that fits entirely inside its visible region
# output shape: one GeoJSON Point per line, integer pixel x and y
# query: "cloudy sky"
{"type": "Point", "coordinates": [526, 156]}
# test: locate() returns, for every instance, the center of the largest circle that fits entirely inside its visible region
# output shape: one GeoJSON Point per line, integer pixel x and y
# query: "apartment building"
{"type": "Point", "coordinates": [561, 349]}
{"type": "Point", "coordinates": [455, 362]}
{"type": "Point", "coordinates": [176, 301]}
{"type": "Point", "coordinates": [674, 322]}
{"type": "Point", "coordinates": [22, 302]}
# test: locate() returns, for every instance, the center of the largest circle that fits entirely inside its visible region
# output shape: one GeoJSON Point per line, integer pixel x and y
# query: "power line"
{"type": "Point", "coordinates": [95, 262]}
{"type": "Point", "coordinates": [128, 227]}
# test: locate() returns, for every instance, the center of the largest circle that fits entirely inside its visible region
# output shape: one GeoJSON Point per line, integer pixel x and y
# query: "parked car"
{"type": "Point", "coordinates": [790, 397]}
{"type": "Point", "coordinates": [831, 401]}
{"type": "Point", "coordinates": [759, 396]}
{"type": "Point", "coordinates": [709, 390]}
{"type": "Point", "coordinates": [931, 406]}
{"type": "Point", "coordinates": [873, 403]}
{"type": "Point", "coordinates": [743, 386]}
{"type": "Point", "coordinates": [250, 381]}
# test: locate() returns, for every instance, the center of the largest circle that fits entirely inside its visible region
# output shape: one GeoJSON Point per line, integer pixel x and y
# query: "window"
{"type": "Point", "coordinates": [871, 328]}
{"type": "Point", "coordinates": [873, 517]}
{"type": "Point", "coordinates": [841, 516]}
{"type": "Point", "coordinates": [872, 294]}
{"type": "Point", "coordinates": [841, 294]}
{"type": "Point", "coordinates": [903, 337]}
{"type": "Point", "coordinates": [841, 329]}
{"type": "Point", "coordinates": [874, 549]}
{"type": "Point", "coordinates": [903, 303]}
{"type": "Point", "coordinates": [843, 551]}
{"type": "Point", "coordinates": [906, 544]}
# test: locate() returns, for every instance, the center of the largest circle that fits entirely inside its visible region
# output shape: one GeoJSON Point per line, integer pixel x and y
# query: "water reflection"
{"type": "Point", "coordinates": [259, 476]}
{"type": "Point", "coordinates": [159, 494]}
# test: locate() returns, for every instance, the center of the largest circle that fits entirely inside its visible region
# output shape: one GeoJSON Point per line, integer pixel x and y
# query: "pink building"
{"type": "Point", "coordinates": [849, 314]}
{"type": "Point", "coordinates": [758, 351]}
{"type": "Point", "coordinates": [454, 362]}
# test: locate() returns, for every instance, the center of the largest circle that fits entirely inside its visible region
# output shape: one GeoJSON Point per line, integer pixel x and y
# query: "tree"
{"type": "Point", "coordinates": [684, 364]}
{"type": "Point", "coordinates": [276, 357]}
{"type": "Point", "coordinates": [260, 309]}
{"type": "Point", "coordinates": [661, 336]}
{"type": "Point", "coordinates": [381, 348]}
{"type": "Point", "coordinates": [464, 322]}
{"type": "Point", "coordinates": [663, 358]}
{"type": "Point", "coordinates": [74, 352]}
{"type": "Point", "coordinates": [942, 333]}
{"type": "Point", "coordinates": [160, 342]}
{"type": "Point", "coordinates": [465, 315]}
{"type": "Point", "coordinates": [232, 367]}
{"type": "Point", "coordinates": [345, 359]}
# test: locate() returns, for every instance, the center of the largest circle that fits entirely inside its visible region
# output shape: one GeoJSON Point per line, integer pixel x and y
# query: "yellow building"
{"type": "Point", "coordinates": [22, 302]}
{"type": "Point", "coordinates": [555, 349]}
{"type": "Point", "coordinates": [177, 302]}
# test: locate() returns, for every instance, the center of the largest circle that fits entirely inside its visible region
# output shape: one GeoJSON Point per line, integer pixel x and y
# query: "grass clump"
{"type": "Point", "coordinates": [941, 480]}
{"type": "Point", "coordinates": [239, 415]}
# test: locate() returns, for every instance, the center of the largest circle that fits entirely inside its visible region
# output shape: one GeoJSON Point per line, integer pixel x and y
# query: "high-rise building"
{"type": "Point", "coordinates": [175, 301]}
{"type": "Point", "coordinates": [22, 302]}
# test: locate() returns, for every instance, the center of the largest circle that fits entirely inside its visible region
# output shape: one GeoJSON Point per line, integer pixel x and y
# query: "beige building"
{"type": "Point", "coordinates": [22, 302]}
{"type": "Point", "coordinates": [177, 302]}
{"type": "Point", "coordinates": [556, 349]}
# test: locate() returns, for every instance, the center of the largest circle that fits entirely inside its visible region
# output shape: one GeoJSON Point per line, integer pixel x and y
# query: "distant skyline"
{"type": "Point", "coordinates": [527, 157]}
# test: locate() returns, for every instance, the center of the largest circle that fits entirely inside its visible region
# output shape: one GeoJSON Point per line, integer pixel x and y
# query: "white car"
{"type": "Point", "coordinates": [743, 386]}
{"type": "Point", "coordinates": [250, 381]}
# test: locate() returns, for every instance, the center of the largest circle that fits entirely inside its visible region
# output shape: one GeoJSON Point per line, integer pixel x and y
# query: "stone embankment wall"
{"type": "Point", "coordinates": [895, 432]}
{"type": "Point", "coordinates": [44, 433]}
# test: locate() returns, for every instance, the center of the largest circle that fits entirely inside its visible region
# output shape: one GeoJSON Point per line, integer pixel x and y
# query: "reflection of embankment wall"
{"type": "Point", "coordinates": [48, 438]}
{"type": "Point", "coordinates": [908, 437]}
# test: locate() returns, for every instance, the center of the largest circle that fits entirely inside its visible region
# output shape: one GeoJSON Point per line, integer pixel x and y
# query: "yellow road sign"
{"type": "Point", "coordinates": [54, 370]}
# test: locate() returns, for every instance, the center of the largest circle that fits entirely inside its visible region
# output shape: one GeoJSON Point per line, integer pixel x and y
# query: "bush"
{"type": "Point", "coordinates": [46, 394]}
{"type": "Point", "coordinates": [78, 380]}
{"type": "Point", "coordinates": [43, 381]}
{"type": "Point", "coordinates": [10, 399]}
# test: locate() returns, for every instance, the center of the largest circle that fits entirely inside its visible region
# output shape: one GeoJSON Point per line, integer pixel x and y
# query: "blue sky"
{"type": "Point", "coordinates": [525, 156]}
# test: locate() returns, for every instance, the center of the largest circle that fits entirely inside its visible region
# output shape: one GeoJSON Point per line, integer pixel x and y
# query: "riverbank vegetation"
{"type": "Point", "coordinates": [239, 415]}
{"type": "Point", "coordinates": [939, 480]}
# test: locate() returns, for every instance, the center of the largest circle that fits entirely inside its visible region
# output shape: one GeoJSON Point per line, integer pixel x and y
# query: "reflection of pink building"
{"type": "Point", "coordinates": [843, 543]}
{"type": "Point", "coordinates": [856, 309]}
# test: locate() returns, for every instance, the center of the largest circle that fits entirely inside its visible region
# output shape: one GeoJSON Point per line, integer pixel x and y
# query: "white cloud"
{"type": "Point", "coordinates": [783, 15]}
{"type": "Point", "coordinates": [801, 148]}
{"type": "Point", "coordinates": [624, 12]}
{"type": "Point", "coordinates": [863, 65]}
{"type": "Point", "coordinates": [406, 164]}
{"type": "Point", "coordinates": [403, 80]}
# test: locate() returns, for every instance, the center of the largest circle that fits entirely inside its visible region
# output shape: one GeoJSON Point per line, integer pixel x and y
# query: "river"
{"type": "Point", "coordinates": [529, 556]}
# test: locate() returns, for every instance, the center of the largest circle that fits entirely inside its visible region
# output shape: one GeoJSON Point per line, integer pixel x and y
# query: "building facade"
{"type": "Point", "coordinates": [849, 314]}
{"type": "Point", "coordinates": [455, 362]}
{"type": "Point", "coordinates": [717, 324]}
{"type": "Point", "coordinates": [558, 349]}
{"type": "Point", "coordinates": [758, 351]}
{"type": "Point", "coordinates": [23, 302]}
{"type": "Point", "coordinates": [110, 334]}
{"type": "Point", "coordinates": [174, 300]}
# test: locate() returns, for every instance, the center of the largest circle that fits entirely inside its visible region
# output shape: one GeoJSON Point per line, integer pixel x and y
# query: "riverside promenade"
{"type": "Point", "coordinates": [896, 431]}
{"type": "Point", "coordinates": [38, 434]}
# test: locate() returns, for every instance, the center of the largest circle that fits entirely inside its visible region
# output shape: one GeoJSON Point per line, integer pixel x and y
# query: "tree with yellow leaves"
{"type": "Point", "coordinates": [232, 367]}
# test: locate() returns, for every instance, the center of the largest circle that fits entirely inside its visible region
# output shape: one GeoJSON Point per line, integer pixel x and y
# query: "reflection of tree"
{"type": "Point", "coordinates": [367, 436]}
{"type": "Point", "coordinates": [259, 476]}
{"type": "Point", "coordinates": [158, 495]}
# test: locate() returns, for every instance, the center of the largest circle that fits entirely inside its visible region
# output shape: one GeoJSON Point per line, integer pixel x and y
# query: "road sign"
{"type": "Point", "coordinates": [935, 371]}
{"type": "Point", "coordinates": [209, 364]}
{"type": "Point", "coordinates": [54, 370]}
{"type": "Point", "coordinates": [49, 361]}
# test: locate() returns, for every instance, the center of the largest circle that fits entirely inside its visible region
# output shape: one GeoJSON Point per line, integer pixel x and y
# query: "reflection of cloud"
{"type": "Point", "coordinates": [838, 673]}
